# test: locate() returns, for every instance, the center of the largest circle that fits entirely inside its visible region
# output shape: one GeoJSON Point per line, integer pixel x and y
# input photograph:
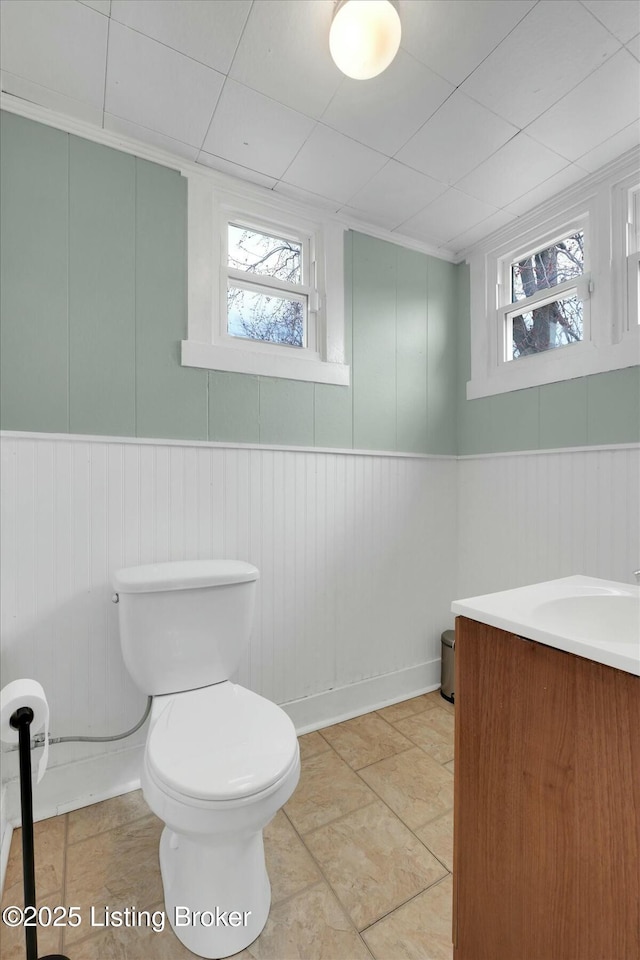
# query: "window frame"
{"type": "Point", "coordinates": [631, 252]}
{"type": "Point", "coordinates": [209, 344]}
{"type": "Point", "coordinates": [599, 205]}
{"type": "Point", "coordinates": [305, 291]}
{"type": "Point", "coordinates": [581, 286]}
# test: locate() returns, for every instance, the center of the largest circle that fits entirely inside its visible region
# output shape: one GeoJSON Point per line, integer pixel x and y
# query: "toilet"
{"type": "Point", "coordinates": [219, 760]}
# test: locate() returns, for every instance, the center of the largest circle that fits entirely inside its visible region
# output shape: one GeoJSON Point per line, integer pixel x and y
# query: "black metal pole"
{"type": "Point", "coordinates": [21, 721]}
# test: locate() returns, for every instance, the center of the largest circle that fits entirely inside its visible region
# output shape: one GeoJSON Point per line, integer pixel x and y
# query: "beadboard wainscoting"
{"type": "Point", "coordinates": [528, 517]}
{"type": "Point", "coordinates": [357, 561]}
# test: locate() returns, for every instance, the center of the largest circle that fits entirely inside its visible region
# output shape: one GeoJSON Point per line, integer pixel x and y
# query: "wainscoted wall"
{"type": "Point", "coordinates": [356, 553]}
{"type": "Point", "coordinates": [600, 409]}
{"type": "Point", "coordinates": [523, 518]}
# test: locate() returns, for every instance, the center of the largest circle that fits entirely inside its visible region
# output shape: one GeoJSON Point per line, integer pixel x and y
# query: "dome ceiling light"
{"type": "Point", "coordinates": [364, 36]}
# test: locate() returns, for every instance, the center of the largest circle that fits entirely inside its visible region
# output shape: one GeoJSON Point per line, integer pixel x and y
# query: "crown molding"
{"type": "Point", "coordinates": [145, 151]}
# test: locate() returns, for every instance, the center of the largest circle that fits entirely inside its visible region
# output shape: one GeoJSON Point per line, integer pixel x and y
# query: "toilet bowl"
{"type": "Point", "coordinates": [219, 760]}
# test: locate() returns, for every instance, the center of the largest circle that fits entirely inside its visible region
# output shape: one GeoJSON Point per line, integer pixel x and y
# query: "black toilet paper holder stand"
{"type": "Point", "coordinates": [21, 721]}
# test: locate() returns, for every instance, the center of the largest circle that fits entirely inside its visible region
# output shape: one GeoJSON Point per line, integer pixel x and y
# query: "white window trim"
{"type": "Point", "coordinates": [626, 256]}
{"type": "Point", "coordinates": [208, 346]}
{"type": "Point", "coordinates": [580, 286]}
{"type": "Point", "coordinates": [611, 342]}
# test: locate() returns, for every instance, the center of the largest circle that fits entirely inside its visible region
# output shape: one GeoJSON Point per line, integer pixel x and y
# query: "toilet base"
{"type": "Point", "coordinates": [217, 894]}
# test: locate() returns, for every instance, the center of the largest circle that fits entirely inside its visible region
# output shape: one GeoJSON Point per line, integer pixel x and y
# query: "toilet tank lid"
{"type": "Point", "coordinates": [182, 575]}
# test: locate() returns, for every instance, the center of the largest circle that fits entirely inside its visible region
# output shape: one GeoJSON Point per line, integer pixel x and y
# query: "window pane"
{"type": "Point", "coordinates": [556, 324]}
{"type": "Point", "coordinates": [264, 255]}
{"type": "Point", "coordinates": [547, 268]}
{"type": "Point", "coordinates": [260, 316]}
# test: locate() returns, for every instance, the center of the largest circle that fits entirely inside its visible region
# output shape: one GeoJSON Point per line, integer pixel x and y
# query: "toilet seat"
{"type": "Point", "coordinates": [220, 743]}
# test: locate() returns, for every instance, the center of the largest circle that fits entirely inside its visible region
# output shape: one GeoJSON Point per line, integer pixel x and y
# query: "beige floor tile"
{"type": "Point", "coordinates": [289, 864]}
{"type": "Point", "coordinates": [118, 868]}
{"type": "Point", "coordinates": [12, 942]}
{"type": "Point", "coordinates": [49, 842]}
{"type": "Point", "coordinates": [373, 862]}
{"type": "Point", "coordinates": [132, 943]}
{"type": "Point", "coordinates": [419, 930]}
{"type": "Point", "coordinates": [311, 744]}
{"type": "Point", "coordinates": [328, 789]}
{"type": "Point", "coordinates": [431, 730]}
{"type": "Point", "coordinates": [438, 837]}
{"type": "Point", "coordinates": [309, 926]}
{"type": "Point", "coordinates": [449, 765]}
{"type": "Point", "coordinates": [442, 701]}
{"type": "Point", "coordinates": [414, 785]}
{"type": "Point", "coordinates": [106, 815]}
{"type": "Point", "coordinates": [364, 740]}
{"type": "Point", "coordinates": [406, 708]}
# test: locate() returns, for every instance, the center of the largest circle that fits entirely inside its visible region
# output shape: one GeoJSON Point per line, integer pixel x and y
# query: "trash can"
{"type": "Point", "coordinates": [446, 676]}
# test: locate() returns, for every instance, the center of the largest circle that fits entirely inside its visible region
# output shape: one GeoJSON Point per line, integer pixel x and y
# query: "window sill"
{"type": "Point", "coordinates": [556, 366]}
{"type": "Point", "coordinates": [215, 357]}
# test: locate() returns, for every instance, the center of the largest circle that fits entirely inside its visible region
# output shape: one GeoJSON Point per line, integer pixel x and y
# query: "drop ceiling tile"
{"type": "Point", "coordinates": [602, 105]}
{"type": "Point", "coordinates": [612, 148]}
{"type": "Point", "coordinates": [35, 93]}
{"type": "Point", "coordinates": [621, 17]}
{"type": "Point", "coordinates": [254, 131]}
{"type": "Point", "coordinates": [515, 168]}
{"type": "Point", "coordinates": [548, 188]}
{"type": "Point", "coordinates": [102, 6]}
{"type": "Point", "coordinates": [395, 194]}
{"type": "Point", "coordinates": [364, 219]}
{"type": "Point", "coordinates": [448, 216]}
{"type": "Point", "coordinates": [332, 165]}
{"type": "Point", "coordinates": [152, 85]}
{"type": "Point", "coordinates": [385, 111]}
{"type": "Point", "coordinates": [482, 230]}
{"type": "Point", "coordinates": [208, 32]}
{"type": "Point", "coordinates": [555, 47]}
{"type": "Point", "coordinates": [235, 170]}
{"type": "Point", "coordinates": [306, 196]}
{"type": "Point", "coordinates": [453, 38]}
{"type": "Point", "coordinates": [284, 54]}
{"type": "Point", "coordinates": [634, 47]}
{"type": "Point", "coordinates": [456, 139]}
{"type": "Point", "coordinates": [136, 132]}
{"type": "Point", "coordinates": [62, 46]}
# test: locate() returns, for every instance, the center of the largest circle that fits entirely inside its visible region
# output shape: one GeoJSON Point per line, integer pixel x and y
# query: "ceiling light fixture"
{"type": "Point", "coordinates": [364, 36]}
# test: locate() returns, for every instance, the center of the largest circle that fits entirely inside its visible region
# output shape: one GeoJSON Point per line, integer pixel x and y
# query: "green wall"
{"type": "Point", "coordinates": [93, 287]}
{"type": "Point", "coordinates": [599, 409]}
{"type": "Point", "coordinates": [94, 309]}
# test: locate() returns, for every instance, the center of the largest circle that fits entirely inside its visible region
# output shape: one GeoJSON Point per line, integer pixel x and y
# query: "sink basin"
{"type": "Point", "coordinates": [591, 618]}
{"type": "Point", "coordinates": [594, 618]}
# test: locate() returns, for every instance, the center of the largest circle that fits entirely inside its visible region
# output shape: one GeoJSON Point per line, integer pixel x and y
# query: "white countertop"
{"type": "Point", "coordinates": [591, 618]}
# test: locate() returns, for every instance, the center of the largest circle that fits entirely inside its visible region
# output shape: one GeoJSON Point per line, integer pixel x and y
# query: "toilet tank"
{"type": "Point", "coordinates": [184, 624]}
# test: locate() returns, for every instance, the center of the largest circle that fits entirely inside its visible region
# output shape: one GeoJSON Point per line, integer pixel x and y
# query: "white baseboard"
{"type": "Point", "coordinates": [78, 784]}
{"type": "Point", "coordinates": [343, 703]}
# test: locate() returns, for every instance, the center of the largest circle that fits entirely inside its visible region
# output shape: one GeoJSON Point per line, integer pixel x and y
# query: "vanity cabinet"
{"type": "Point", "coordinates": [547, 803]}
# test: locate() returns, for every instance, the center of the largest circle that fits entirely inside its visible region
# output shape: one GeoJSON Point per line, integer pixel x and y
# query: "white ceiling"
{"type": "Point", "coordinates": [490, 107]}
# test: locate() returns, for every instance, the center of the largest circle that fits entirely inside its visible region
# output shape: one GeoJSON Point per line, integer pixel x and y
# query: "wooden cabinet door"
{"type": "Point", "coordinates": [547, 803]}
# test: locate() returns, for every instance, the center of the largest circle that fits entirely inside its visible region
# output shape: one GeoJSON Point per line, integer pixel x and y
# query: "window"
{"type": "Point", "coordinates": [544, 292]}
{"type": "Point", "coordinates": [266, 287]}
{"type": "Point", "coordinates": [554, 295]}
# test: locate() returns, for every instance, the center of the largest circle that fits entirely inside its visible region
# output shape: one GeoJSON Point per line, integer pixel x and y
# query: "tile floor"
{"type": "Point", "coordinates": [359, 859]}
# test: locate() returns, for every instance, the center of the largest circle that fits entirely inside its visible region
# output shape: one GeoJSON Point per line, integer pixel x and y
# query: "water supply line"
{"type": "Point", "coordinates": [38, 740]}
